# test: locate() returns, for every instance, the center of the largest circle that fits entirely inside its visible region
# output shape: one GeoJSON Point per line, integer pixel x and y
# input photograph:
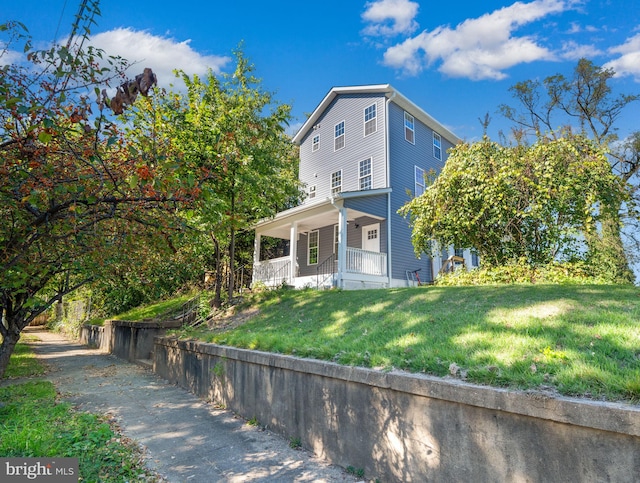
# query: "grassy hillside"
{"type": "Point", "coordinates": [573, 339]}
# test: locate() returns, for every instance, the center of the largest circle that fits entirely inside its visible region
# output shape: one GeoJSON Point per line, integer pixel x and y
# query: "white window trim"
{"type": "Point", "coordinates": [343, 135]}
{"type": "Point", "coordinates": [374, 119]}
{"type": "Point", "coordinates": [405, 127]}
{"type": "Point", "coordinates": [315, 145]}
{"type": "Point", "coordinates": [370, 175]}
{"type": "Point", "coordinates": [312, 192]}
{"type": "Point", "coordinates": [421, 183]}
{"type": "Point", "coordinates": [331, 187]}
{"type": "Point", "coordinates": [437, 137]}
{"type": "Point", "coordinates": [317, 246]}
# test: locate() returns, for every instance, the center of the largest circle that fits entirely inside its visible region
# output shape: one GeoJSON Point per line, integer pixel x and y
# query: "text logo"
{"type": "Point", "coordinates": [50, 470]}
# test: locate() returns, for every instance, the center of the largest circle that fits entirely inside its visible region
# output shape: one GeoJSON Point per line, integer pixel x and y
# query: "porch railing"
{"type": "Point", "coordinates": [366, 262]}
{"type": "Point", "coordinates": [325, 270]}
{"type": "Point", "coordinates": [273, 272]}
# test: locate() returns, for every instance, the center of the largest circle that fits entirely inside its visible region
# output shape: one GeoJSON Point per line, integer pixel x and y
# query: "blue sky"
{"type": "Point", "coordinates": [456, 60]}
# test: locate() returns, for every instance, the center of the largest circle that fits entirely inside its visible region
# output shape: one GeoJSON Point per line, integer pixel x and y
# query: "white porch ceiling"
{"type": "Point", "coordinates": [280, 227]}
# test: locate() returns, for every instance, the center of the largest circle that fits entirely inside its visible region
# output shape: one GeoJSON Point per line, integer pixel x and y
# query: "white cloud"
{"type": "Point", "coordinates": [628, 63]}
{"type": "Point", "coordinates": [8, 57]}
{"type": "Point", "coordinates": [478, 48]}
{"type": "Point", "coordinates": [163, 55]}
{"type": "Point", "coordinates": [390, 17]}
{"type": "Point", "coordinates": [576, 28]}
{"type": "Point", "coordinates": [574, 51]}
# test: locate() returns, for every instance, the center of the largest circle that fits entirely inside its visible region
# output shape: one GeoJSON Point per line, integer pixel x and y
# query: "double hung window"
{"type": "Point", "coordinates": [420, 180]}
{"type": "Point", "coordinates": [365, 174]}
{"type": "Point", "coordinates": [338, 141]}
{"type": "Point", "coordinates": [370, 123]}
{"type": "Point", "coordinates": [437, 146]}
{"type": "Point", "coordinates": [312, 247]}
{"type": "Point", "coordinates": [409, 128]}
{"type": "Point", "coordinates": [336, 182]}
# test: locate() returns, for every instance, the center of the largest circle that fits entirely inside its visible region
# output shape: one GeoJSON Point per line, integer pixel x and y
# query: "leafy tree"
{"type": "Point", "coordinates": [585, 103]}
{"type": "Point", "coordinates": [533, 203]}
{"type": "Point", "coordinates": [229, 136]}
{"type": "Point", "coordinates": [73, 191]}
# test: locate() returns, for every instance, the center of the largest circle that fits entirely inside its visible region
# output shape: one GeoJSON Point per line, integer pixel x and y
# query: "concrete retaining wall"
{"type": "Point", "coordinates": [93, 336]}
{"type": "Point", "coordinates": [128, 340]}
{"type": "Point", "coordinates": [410, 428]}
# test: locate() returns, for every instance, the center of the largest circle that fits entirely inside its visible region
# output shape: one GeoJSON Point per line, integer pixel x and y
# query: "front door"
{"type": "Point", "coordinates": [371, 237]}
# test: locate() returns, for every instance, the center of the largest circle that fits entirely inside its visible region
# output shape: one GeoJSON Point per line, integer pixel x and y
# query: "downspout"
{"type": "Point", "coordinates": [386, 148]}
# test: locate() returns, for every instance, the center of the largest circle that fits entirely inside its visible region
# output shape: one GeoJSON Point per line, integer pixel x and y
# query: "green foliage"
{"type": "Point", "coordinates": [151, 273]}
{"type": "Point", "coordinates": [520, 272]}
{"type": "Point", "coordinates": [227, 135]}
{"type": "Point", "coordinates": [74, 193]}
{"type": "Point", "coordinates": [524, 203]}
{"type": "Point", "coordinates": [295, 443]}
{"type": "Point", "coordinates": [34, 424]}
{"type": "Point", "coordinates": [359, 472]}
{"type": "Point", "coordinates": [586, 102]}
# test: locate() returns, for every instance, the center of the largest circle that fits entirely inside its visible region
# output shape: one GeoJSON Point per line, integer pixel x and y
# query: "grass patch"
{"type": "Point", "coordinates": [579, 340]}
{"type": "Point", "coordinates": [23, 362]}
{"type": "Point", "coordinates": [154, 311]}
{"type": "Point", "coordinates": [34, 424]}
{"type": "Point", "coordinates": [157, 310]}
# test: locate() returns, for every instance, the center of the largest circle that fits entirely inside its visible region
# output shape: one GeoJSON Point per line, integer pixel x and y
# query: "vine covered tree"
{"type": "Point", "coordinates": [585, 103]}
{"type": "Point", "coordinates": [73, 191]}
{"type": "Point", "coordinates": [522, 203]}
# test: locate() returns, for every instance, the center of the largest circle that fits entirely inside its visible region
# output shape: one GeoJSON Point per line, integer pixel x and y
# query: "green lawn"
{"type": "Point", "coordinates": [23, 362]}
{"type": "Point", "coordinates": [576, 339]}
{"type": "Point", "coordinates": [149, 312]}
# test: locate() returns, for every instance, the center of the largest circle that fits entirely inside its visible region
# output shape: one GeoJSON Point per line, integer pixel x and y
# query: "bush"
{"type": "Point", "coordinates": [578, 272]}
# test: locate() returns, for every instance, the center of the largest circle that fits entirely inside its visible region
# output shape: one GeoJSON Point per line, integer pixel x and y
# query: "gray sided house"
{"type": "Point", "coordinates": [363, 154]}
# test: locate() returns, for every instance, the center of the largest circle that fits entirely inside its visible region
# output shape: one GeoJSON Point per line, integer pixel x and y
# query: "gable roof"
{"type": "Point", "coordinates": [390, 93]}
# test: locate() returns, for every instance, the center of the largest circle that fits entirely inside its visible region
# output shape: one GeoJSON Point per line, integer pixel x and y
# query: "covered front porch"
{"type": "Point", "coordinates": [330, 245]}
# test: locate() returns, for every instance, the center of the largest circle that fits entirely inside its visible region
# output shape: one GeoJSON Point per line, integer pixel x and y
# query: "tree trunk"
{"type": "Point", "coordinates": [9, 341]}
{"type": "Point", "coordinates": [217, 298]}
{"type": "Point", "coordinates": [232, 246]}
{"type": "Point", "coordinates": [232, 254]}
{"type": "Point", "coordinates": [607, 252]}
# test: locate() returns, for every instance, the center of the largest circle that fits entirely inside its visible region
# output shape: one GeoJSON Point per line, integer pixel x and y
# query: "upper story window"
{"type": "Point", "coordinates": [437, 146]}
{"type": "Point", "coordinates": [338, 142]}
{"type": "Point", "coordinates": [370, 122]}
{"type": "Point", "coordinates": [336, 182]}
{"type": "Point", "coordinates": [315, 143]}
{"type": "Point", "coordinates": [365, 174]}
{"type": "Point", "coordinates": [312, 192]}
{"type": "Point", "coordinates": [312, 247]}
{"type": "Point", "coordinates": [420, 180]}
{"type": "Point", "coordinates": [409, 128]}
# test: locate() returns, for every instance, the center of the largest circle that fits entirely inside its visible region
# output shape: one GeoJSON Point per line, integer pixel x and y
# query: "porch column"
{"type": "Point", "coordinates": [293, 252]}
{"type": "Point", "coordinates": [256, 249]}
{"type": "Point", "coordinates": [342, 245]}
{"type": "Point", "coordinates": [256, 255]}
